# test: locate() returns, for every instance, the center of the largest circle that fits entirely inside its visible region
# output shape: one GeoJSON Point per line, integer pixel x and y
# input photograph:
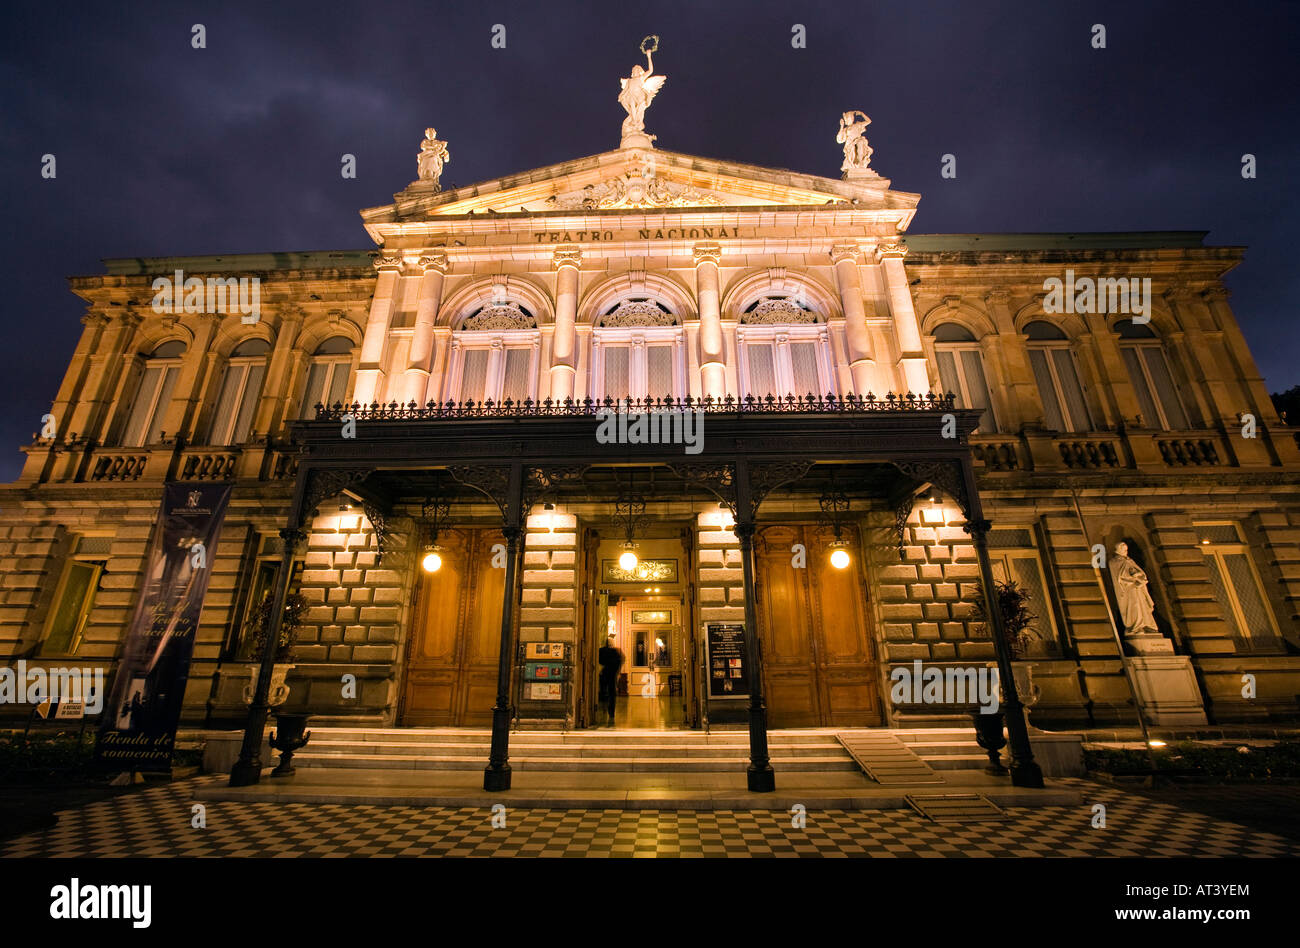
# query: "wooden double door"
{"type": "Point", "coordinates": [453, 652]}
{"type": "Point", "coordinates": [819, 663]}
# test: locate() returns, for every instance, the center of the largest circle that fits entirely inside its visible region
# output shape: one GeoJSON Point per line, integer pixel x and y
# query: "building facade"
{"type": "Point", "coordinates": [781, 329]}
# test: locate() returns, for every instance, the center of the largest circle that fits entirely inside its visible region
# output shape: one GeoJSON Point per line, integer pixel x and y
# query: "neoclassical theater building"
{"type": "Point", "coordinates": [785, 407]}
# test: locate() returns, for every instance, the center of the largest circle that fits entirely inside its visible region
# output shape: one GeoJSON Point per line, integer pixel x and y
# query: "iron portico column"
{"type": "Point", "coordinates": [759, 775]}
{"type": "Point", "coordinates": [496, 776]}
{"type": "Point", "coordinates": [1025, 771]}
{"type": "Point", "coordinates": [248, 769]}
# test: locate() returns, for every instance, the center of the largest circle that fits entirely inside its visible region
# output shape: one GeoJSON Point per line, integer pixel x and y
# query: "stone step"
{"type": "Point", "coordinates": [612, 764]}
{"type": "Point", "coordinates": [584, 750]}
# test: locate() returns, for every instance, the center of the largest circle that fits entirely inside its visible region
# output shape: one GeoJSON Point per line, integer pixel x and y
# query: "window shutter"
{"type": "Point", "coordinates": [803, 364]}
{"type": "Point", "coordinates": [973, 366]}
{"type": "Point", "coordinates": [219, 432]}
{"type": "Point", "coordinates": [762, 369]}
{"type": "Point", "coordinates": [1046, 390]}
{"type": "Point", "coordinates": [659, 372]}
{"type": "Point", "coordinates": [1029, 578]}
{"type": "Point", "coordinates": [338, 382]}
{"type": "Point", "coordinates": [616, 372]}
{"type": "Point", "coordinates": [248, 402]}
{"type": "Point", "coordinates": [1252, 605]}
{"type": "Point", "coordinates": [1071, 390]}
{"type": "Point", "coordinates": [1221, 596]}
{"type": "Point", "coordinates": [314, 393]}
{"type": "Point", "coordinates": [474, 377]}
{"type": "Point", "coordinates": [140, 408]}
{"type": "Point", "coordinates": [948, 376]}
{"type": "Point", "coordinates": [1166, 391]}
{"type": "Point", "coordinates": [1133, 362]}
{"type": "Point", "coordinates": [518, 362]}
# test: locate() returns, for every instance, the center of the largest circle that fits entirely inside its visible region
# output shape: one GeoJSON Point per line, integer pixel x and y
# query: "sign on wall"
{"type": "Point", "coordinates": [144, 706]}
{"type": "Point", "coordinates": [725, 660]}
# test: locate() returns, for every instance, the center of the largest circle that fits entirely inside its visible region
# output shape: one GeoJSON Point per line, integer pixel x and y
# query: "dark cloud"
{"type": "Point", "coordinates": [163, 149]}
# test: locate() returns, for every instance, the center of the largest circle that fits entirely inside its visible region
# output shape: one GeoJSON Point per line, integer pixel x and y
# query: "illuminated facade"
{"type": "Point", "coordinates": [481, 338]}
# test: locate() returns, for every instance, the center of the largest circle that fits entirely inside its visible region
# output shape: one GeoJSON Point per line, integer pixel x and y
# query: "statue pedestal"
{"type": "Point", "coordinates": [1150, 644]}
{"type": "Point", "coordinates": [1166, 689]}
{"type": "Point", "coordinates": [637, 140]}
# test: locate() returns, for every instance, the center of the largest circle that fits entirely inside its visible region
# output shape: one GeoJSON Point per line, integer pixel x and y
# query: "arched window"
{"type": "Point", "coordinates": [241, 386]}
{"type": "Point", "coordinates": [1152, 382]}
{"type": "Point", "coordinates": [1064, 408]}
{"type": "Point", "coordinates": [961, 371]}
{"type": "Point", "coordinates": [494, 356]}
{"type": "Point", "coordinates": [637, 352]}
{"type": "Point", "coordinates": [327, 379]}
{"type": "Point", "coordinates": [783, 350]}
{"type": "Point", "coordinates": [158, 373]}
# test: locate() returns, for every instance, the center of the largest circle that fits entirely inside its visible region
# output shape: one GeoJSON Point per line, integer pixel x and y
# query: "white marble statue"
{"type": "Point", "coordinates": [1136, 607]}
{"type": "Point", "coordinates": [857, 153]}
{"type": "Point", "coordinates": [638, 90]}
{"type": "Point", "coordinates": [433, 155]}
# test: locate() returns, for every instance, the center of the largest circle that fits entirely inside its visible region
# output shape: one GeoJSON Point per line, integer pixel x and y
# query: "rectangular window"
{"type": "Point", "coordinates": [617, 383]}
{"type": "Point", "coordinates": [266, 566]}
{"type": "Point", "coordinates": [659, 372]}
{"type": "Point", "coordinates": [74, 596]}
{"type": "Point", "coordinates": [1064, 408]}
{"type": "Point", "coordinates": [803, 361]}
{"type": "Point", "coordinates": [1013, 553]}
{"type": "Point", "coordinates": [1237, 588]}
{"type": "Point", "coordinates": [237, 403]}
{"type": "Point", "coordinates": [1154, 385]}
{"type": "Point", "coordinates": [149, 408]}
{"type": "Point", "coordinates": [762, 370]}
{"type": "Point", "coordinates": [474, 376]}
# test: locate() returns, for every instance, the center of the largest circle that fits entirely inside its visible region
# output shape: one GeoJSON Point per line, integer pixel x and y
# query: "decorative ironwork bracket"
{"type": "Point", "coordinates": [718, 479]}
{"type": "Point", "coordinates": [491, 480]}
{"type": "Point", "coordinates": [946, 475]}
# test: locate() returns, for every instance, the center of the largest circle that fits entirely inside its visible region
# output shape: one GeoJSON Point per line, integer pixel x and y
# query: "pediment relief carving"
{"type": "Point", "coordinates": [636, 188]}
{"type": "Point", "coordinates": [499, 316]}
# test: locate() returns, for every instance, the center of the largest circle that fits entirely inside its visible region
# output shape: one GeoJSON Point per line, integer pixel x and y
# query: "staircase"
{"type": "Point", "coordinates": [614, 751]}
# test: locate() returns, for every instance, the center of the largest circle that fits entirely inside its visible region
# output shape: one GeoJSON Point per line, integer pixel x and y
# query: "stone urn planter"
{"type": "Point", "coordinates": [989, 736]}
{"type": "Point", "coordinates": [290, 735]}
{"type": "Point", "coordinates": [279, 692]}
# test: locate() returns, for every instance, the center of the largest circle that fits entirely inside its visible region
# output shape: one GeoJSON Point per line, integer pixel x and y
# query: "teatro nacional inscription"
{"type": "Point", "coordinates": [645, 233]}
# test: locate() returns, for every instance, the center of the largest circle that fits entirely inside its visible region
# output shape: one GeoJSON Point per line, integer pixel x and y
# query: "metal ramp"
{"type": "Point", "coordinates": [956, 807]}
{"type": "Point", "coordinates": [886, 759]}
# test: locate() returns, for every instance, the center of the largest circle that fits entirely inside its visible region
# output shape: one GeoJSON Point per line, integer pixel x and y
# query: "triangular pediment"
{"type": "Point", "coordinates": [639, 179]}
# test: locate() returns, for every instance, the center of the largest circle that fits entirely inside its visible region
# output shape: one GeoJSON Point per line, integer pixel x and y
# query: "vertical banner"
{"type": "Point", "coordinates": [144, 705]}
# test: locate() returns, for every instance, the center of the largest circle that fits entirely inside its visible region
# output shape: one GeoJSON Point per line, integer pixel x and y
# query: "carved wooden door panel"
{"type": "Point", "coordinates": [847, 677]}
{"type": "Point", "coordinates": [786, 630]}
{"type": "Point", "coordinates": [452, 657]}
{"type": "Point", "coordinates": [818, 661]}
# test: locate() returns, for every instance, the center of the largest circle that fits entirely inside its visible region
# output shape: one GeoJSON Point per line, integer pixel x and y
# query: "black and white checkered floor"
{"type": "Point", "coordinates": [157, 821]}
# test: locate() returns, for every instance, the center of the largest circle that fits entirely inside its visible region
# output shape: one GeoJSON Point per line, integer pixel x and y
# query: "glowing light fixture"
{"type": "Point", "coordinates": [840, 558]}
{"type": "Point", "coordinates": [434, 514]}
{"type": "Point", "coordinates": [1156, 743]}
{"type": "Point", "coordinates": [627, 560]}
{"type": "Point", "coordinates": [432, 561]}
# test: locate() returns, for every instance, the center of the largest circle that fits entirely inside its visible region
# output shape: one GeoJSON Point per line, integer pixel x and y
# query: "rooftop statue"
{"type": "Point", "coordinates": [433, 155]}
{"type": "Point", "coordinates": [638, 90]}
{"type": "Point", "coordinates": [857, 153]}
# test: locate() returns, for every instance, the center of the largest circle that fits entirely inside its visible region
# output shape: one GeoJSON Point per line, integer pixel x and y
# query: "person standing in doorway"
{"type": "Point", "coordinates": [611, 661]}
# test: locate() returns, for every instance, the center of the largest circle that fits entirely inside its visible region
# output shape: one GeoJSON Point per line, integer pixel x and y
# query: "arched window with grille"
{"type": "Point", "coordinates": [328, 375]}
{"type": "Point", "coordinates": [494, 356]}
{"type": "Point", "coordinates": [1153, 383]}
{"type": "Point", "coordinates": [241, 386]}
{"type": "Point", "coordinates": [637, 352]}
{"type": "Point", "coordinates": [157, 377]}
{"type": "Point", "coordinates": [961, 371]}
{"type": "Point", "coordinates": [1064, 407]}
{"type": "Point", "coordinates": [783, 350]}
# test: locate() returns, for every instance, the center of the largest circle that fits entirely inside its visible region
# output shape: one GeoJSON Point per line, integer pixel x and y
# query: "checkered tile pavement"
{"type": "Point", "coordinates": [156, 822]}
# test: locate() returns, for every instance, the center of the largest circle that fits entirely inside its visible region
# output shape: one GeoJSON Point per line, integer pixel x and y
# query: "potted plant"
{"type": "Point", "coordinates": [1012, 602]}
{"type": "Point", "coordinates": [257, 627]}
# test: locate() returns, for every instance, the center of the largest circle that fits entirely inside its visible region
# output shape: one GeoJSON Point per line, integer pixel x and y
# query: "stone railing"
{"type": "Point", "coordinates": [1189, 451]}
{"type": "Point", "coordinates": [119, 466]}
{"type": "Point", "coordinates": [207, 465]}
{"type": "Point", "coordinates": [996, 452]}
{"type": "Point", "coordinates": [1090, 452]}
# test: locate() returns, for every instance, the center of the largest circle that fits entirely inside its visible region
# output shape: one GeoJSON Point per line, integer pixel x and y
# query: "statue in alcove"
{"type": "Point", "coordinates": [1136, 607]}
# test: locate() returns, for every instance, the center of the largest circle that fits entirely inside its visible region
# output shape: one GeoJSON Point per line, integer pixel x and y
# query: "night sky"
{"type": "Point", "coordinates": [163, 149]}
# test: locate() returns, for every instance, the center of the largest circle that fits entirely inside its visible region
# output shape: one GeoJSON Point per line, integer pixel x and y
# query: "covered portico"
{"type": "Point", "coordinates": [519, 455]}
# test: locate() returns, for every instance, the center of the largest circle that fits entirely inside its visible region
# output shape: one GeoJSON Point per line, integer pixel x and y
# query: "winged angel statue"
{"type": "Point", "coordinates": [638, 91]}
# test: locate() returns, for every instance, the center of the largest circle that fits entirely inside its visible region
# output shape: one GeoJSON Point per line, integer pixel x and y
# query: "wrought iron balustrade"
{"type": "Point", "coordinates": [528, 408]}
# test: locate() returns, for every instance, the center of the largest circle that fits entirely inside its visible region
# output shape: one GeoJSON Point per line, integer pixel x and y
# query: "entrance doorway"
{"type": "Point", "coordinates": [452, 657]}
{"type": "Point", "coordinates": [819, 664]}
{"type": "Point", "coordinates": [647, 613]}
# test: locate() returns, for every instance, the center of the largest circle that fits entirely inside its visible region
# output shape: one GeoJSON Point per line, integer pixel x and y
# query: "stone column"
{"type": "Point", "coordinates": [564, 342]}
{"type": "Point", "coordinates": [1208, 393]}
{"type": "Point", "coordinates": [369, 369]}
{"type": "Point", "coordinates": [1243, 364]}
{"type": "Point", "coordinates": [713, 363]}
{"type": "Point", "coordinates": [911, 358]}
{"type": "Point", "coordinates": [861, 358]}
{"type": "Point", "coordinates": [200, 369]}
{"type": "Point", "coordinates": [1019, 397]}
{"type": "Point", "coordinates": [276, 402]}
{"type": "Point", "coordinates": [415, 382]}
